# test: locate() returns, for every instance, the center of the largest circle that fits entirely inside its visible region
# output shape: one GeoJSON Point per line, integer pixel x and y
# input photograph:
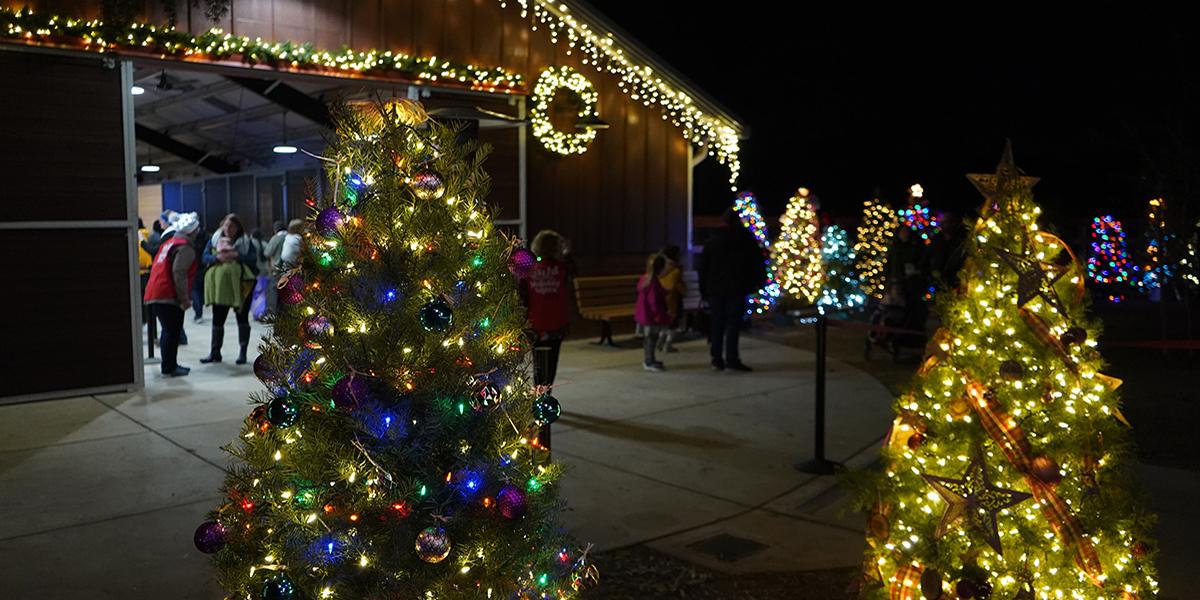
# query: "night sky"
{"type": "Point", "coordinates": [1101, 107]}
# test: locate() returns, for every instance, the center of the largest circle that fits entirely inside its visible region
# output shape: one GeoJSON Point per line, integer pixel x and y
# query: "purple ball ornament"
{"type": "Point", "coordinates": [316, 330]}
{"type": "Point", "coordinates": [511, 502]}
{"type": "Point", "coordinates": [266, 372]}
{"type": "Point", "coordinates": [329, 220]}
{"type": "Point", "coordinates": [521, 262]}
{"type": "Point", "coordinates": [292, 291]}
{"type": "Point", "coordinates": [210, 537]}
{"type": "Point", "coordinates": [351, 391]}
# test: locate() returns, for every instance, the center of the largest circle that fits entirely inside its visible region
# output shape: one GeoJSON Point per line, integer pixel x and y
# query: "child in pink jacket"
{"type": "Point", "coordinates": [651, 309]}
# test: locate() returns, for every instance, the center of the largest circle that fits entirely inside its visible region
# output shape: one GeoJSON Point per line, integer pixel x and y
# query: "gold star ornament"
{"type": "Point", "coordinates": [1007, 180]}
{"type": "Point", "coordinates": [972, 498]}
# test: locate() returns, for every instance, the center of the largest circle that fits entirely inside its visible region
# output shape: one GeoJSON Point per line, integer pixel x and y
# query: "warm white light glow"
{"type": "Point", "coordinates": [284, 149]}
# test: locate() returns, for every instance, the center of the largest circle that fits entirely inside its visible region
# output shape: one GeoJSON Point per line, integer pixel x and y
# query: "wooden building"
{"type": "Point", "coordinates": [76, 135]}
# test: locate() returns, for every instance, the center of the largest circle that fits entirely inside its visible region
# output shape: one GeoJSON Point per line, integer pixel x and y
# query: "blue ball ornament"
{"type": "Point", "coordinates": [279, 587]}
{"type": "Point", "coordinates": [546, 409]}
{"type": "Point", "coordinates": [436, 316]}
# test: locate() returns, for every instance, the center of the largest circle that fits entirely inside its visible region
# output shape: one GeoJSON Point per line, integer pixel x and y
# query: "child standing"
{"type": "Point", "coordinates": [651, 309]}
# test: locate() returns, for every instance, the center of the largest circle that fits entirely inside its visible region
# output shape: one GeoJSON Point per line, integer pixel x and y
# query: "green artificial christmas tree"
{"type": "Point", "coordinates": [394, 453]}
{"type": "Point", "coordinates": [1007, 471]}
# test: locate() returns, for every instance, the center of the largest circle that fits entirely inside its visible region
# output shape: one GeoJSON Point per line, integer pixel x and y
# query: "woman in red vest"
{"type": "Point", "coordinates": [546, 298]}
{"type": "Point", "coordinates": [168, 291]}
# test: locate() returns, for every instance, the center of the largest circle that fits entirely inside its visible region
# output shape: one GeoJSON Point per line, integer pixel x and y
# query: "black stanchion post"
{"type": "Point", "coordinates": [151, 331]}
{"type": "Point", "coordinates": [541, 376]}
{"type": "Point", "coordinates": [819, 465]}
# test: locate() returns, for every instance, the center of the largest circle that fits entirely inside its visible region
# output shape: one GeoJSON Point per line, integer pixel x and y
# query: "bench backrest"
{"type": "Point", "coordinates": [608, 290]}
{"type": "Point", "coordinates": [617, 290]}
{"type": "Point", "coordinates": [691, 300]}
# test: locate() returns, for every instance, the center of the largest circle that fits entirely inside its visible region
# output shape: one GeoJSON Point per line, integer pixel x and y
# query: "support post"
{"type": "Point", "coordinates": [819, 465]}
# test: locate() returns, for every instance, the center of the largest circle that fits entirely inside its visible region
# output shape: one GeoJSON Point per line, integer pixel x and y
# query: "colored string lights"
{"type": "Point", "coordinates": [797, 252]}
{"type": "Point", "coordinates": [1158, 269]}
{"type": "Point", "coordinates": [842, 289]}
{"type": "Point", "coordinates": [1108, 261]}
{"type": "Point", "coordinates": [746, 208]}
{"type": "Point", "coordinates": [917, 215]}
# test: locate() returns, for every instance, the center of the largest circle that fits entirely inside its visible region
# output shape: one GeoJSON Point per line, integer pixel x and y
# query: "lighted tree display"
{"type": "Point", "coordinates": [746, 208]}
{"type": "Point", "coordinates": [917, 216]}
{"type": "Point", "coordinates": [1108, 258]}
{"type": "Point", "coordinates": [1158, 269]}
{"type": "Point", "coordinates": [842, 289]}
{"type": "Point", "coordinates": [875, 235]}
{"type": "Point", "coordinates": [394, 453]}
{"type": "Point", "coordinates": [797, 252]}
{"type": "Point", "coordinates": [1008, 466]}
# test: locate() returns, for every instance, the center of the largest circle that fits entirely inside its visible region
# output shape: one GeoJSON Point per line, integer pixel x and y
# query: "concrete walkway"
{"type": "Point", "coordinates": [99, 495]}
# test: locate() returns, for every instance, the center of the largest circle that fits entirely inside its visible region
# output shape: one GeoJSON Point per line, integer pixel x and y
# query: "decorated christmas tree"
{"type": "Point", "coordinates": [842, 290]}
{"type": "Point", "coordinates": [1108, 258]}
{"type": "Point", "coordinates": [1007, 471]}
{"type": "Point", "coordinates": [918, 217]}
{"type": "Point", "coordinates": [874, 241]}
{"type": "Point", "coordinates": [394, 451]}
{"type": "Point", "coordinates": [746, 208]}
{"type": "Point", "coordinates": [797, 252]}
{"type": "Point", "coordinates": [1158, 268]}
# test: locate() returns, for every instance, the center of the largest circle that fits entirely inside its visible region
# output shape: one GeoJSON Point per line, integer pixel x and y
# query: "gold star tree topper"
{"type": "Point", "coordinates": [973, 498]}
{"type": "Point", "coordinates": [1007, 181]}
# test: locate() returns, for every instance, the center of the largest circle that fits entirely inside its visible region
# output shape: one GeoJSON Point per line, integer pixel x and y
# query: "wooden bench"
{"type": "Point", "coordinates": [609, 297]}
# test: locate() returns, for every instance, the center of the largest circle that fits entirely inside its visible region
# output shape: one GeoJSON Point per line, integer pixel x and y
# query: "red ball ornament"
{"type": "Point", "coordinates": [511, 502]}
{"type": "Point", "coordinates": [1045, 469]}
{"type": "Point", "coordinates": [521, 262]}
{"type": "Point", "coordinates": [1140, 550]}
{"type": "Point", "coordinates": [915, 440]}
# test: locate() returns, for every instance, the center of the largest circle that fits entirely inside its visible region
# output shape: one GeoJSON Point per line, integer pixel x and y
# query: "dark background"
{"type": "Point", "coordinates": [1102, 107]}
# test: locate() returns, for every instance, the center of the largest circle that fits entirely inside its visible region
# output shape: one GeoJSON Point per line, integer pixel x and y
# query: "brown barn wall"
{"type": "Point", "coordinates": [623, 198]}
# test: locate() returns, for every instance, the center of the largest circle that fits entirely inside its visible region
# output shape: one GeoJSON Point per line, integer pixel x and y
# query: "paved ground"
{"type": "Point", "coordinates": [99, 495]}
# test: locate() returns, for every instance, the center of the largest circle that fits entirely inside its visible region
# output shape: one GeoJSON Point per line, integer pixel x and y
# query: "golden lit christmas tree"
{"type": "Point", "coordinates": [797, 252]}
{"type": "Point", "coordinates": [874, 240]}
{"type": "Point", "coordinates": [1008, 467]}
{"type": "Point", "coordinates": [394, 451]}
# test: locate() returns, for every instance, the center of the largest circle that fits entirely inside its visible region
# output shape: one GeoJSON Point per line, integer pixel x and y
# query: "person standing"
{"type": "Point", "coordinates": [651, 310]}
{"type": "Point", "coordinates": [168, 290]}
{"type": "Point", "coordinates": [730, 269]}
{"type": "Point", "coordinates": [274, 252]}
{"type": "Point", "coordinates": [229, 283]}
{"type": "Point", "coordinates": [289, 252]}
{"type": "Point", "coordinates": [676, 288]}
{"type": "Point", "coordinates": [547, 301]}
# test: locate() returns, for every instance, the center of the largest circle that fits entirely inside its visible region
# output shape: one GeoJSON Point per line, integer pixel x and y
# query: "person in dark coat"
{"type": "Point", "coordinates": [730, 269]}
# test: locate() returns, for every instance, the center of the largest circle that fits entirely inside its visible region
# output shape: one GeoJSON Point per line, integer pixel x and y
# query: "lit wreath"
{"type": "Point", "coordinates": [548, 83]}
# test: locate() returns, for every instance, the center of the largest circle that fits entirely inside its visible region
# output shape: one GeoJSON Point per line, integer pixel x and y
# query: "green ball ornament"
{"type": "Point", "coordinates": [436, 316]}
{"type": "Point", "coordinates": [546, 409]}
{"type": "Point", "coordinates": [279, 588]}
{"type": "Point", "coordinates": [282, 413]}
